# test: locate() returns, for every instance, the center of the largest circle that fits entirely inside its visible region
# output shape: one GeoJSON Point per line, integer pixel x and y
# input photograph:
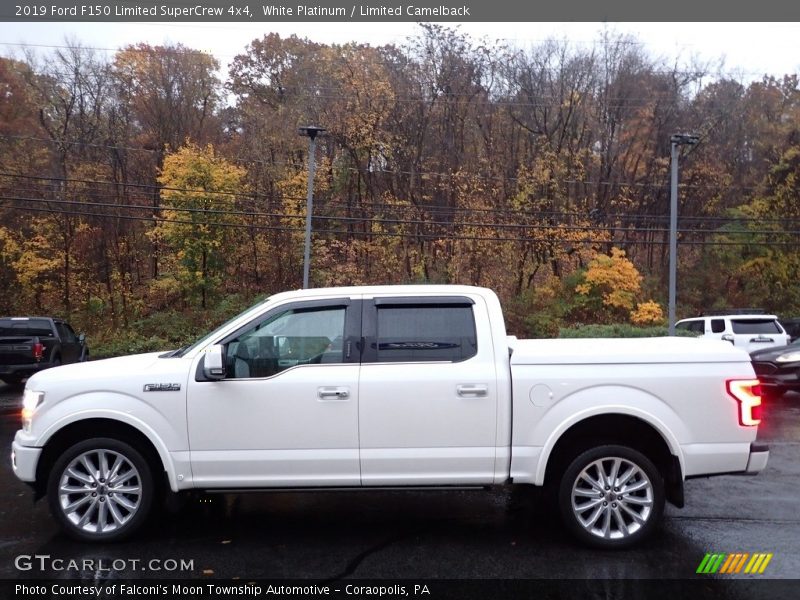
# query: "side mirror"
{"type": "Point", "coordinates": [214, 362]}
{"type": "Point", "coordinates": [727, 337]}
{"type": "Point", "coordinates": [81, 337]}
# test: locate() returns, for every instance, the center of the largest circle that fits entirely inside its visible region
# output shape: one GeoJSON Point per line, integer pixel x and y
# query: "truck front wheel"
{"type": "Point", "coordinates": [611, 497]}
{"type": "Point", "coordinates": [100, 490]}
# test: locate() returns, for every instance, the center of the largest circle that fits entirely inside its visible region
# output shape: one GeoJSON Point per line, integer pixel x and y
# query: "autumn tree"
{"type": "Point", "coordinates": [609, 290]}
{"type": "Point", "coordinates": [173, 91]}
{"type": "Point", "coordinates": [71, 92]}
{"type": "Point", "coordinates": [199, 191]}
{"type": "Point", "coordinates": [169, 93]}
{"type": "Point", "coordinates": [767, 263]}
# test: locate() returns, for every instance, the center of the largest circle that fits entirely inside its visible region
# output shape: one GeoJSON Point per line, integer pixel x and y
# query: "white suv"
{"type": "Point", "coordinates": [747, 331]}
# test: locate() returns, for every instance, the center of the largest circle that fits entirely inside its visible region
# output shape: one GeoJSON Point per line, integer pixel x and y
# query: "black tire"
{"type": "Point", "coordinates": [603, 516]}
{"type": "Point", "coordinates": [119, 521]}
{"type": "Point", "coordinates": [12, 381]}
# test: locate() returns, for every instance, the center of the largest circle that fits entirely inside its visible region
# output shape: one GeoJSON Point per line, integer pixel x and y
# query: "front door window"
{"type": "Point", "coordinates": [287, 339]}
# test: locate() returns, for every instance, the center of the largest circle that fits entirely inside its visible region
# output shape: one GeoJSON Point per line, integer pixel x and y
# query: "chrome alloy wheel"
{"type": "Point", "coordinates": [100, 491]}
{"type": "Point", "coordinates": [612, 498]}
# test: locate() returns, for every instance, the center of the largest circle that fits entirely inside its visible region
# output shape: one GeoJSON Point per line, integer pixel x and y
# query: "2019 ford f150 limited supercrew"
{"type": "Point", "coordinates": [391, 386]}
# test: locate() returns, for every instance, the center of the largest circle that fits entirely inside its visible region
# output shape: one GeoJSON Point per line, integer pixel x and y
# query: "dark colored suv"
{"type": "Point", "coordinates": [30, 344]}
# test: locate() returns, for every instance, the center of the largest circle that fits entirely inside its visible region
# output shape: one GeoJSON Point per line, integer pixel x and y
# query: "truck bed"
{"type": "Point", "coordinates": [575, 351]}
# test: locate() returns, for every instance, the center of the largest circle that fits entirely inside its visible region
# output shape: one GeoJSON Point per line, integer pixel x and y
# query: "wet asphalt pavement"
{"type": "Point", "coordinates": [421, 535]}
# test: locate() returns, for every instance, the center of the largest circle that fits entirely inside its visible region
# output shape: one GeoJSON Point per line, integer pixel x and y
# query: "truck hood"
{"type": "Point", "coordinates": [107, 370]}
{"type": "Point", "coordinates": [628, 351]}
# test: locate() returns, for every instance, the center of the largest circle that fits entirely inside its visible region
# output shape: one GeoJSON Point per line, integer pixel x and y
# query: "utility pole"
{"type": "Point", "coordinates": [311, 131]}
{"type": "Point", "coordinates": [679, 139]}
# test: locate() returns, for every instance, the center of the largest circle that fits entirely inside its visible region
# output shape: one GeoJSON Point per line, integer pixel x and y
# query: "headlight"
{"type": "Point", "coordinates": [30, 402]}
{"type": "Point", "coordinates": [789, 357]}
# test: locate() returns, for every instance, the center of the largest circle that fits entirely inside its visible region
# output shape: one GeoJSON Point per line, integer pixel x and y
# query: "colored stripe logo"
{"type": "Point", "coordinates": [731, 564]}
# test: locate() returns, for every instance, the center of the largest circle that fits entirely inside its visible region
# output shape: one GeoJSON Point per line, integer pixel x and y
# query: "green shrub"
{"type": "Point", "coordinates": [121, 346]}
{"type": "Point", "coordinates": [617, 330]}
{"type": "Point", "coordinates": [166, 330]}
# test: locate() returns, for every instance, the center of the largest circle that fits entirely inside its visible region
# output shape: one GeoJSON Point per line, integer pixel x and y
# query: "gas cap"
{"type": "Point", "coordinates": [541, 395]}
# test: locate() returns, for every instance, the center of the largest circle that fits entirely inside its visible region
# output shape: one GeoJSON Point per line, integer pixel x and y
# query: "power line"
{"type": "Point", "coordinates": [152, 219]}
{"type": "Point", "coordinates": [346, 233]}
{"type": "Point", "coordinates": [383, 213]}
{"type": "Point", "coordinates": [444, 225]}
{"type": "Point", "coordinates": [384, 206]}
{"type": "Point", "coordinates": [460, 174]}
{"type": "Point", "coordinates": [139, 185]}
{"type": "Point", "coordinates": [149, 50]}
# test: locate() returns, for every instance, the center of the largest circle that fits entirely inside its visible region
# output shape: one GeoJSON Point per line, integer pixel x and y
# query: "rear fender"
{"type": "Point", "coordinates": [604, 400]}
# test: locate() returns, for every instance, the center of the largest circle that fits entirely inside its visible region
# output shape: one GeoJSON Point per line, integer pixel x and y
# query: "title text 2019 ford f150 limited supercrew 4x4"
{"type": "Point", "coordinates": [391, 386]}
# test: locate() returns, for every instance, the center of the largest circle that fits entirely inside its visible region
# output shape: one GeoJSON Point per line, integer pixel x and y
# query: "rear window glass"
{"type": "Point", "coordinates": [426, 333]}
{"type": "Point", "coordinates": [697, 327]}
{"type": "Point", "coordinates": [28, 327]}
{"type": "Point", "coordinates": [755, 326]}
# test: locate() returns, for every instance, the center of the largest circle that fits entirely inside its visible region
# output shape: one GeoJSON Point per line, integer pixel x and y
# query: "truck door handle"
{"type": "Point", "coordinates": [480, 390]}
{"type": "Point", "coordinates": [333, 393]}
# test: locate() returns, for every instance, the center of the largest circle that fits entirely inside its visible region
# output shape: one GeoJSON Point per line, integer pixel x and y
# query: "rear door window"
{"type": "Point", "coordinates": [425, 333]}
{"type": "Point", "coordinates": [717, 325]}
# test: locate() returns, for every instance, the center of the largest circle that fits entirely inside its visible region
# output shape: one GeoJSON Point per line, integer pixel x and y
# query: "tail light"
{"type": "Point", "coordinates": [747, 392]}
{"type": "Point", "coordinates": [38, 350]}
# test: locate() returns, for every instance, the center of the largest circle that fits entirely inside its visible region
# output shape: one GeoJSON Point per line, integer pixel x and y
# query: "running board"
{"type": "Point", "coordinates": [419, 488]}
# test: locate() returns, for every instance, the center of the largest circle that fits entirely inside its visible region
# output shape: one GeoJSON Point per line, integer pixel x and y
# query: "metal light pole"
{"type": "Point", "coordinates": [679, 139]}
{"type": "Point", "coordinates": [311, 131]}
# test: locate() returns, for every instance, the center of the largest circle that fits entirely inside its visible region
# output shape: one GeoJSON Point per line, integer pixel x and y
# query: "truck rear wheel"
{"type": "Point", "coordinates": [100, 490]}
{"type": "Point", "coordinates": [611, 497]}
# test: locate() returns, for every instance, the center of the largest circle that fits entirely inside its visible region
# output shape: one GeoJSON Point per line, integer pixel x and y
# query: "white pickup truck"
{"type": "Point", "coordinates": [391, 386]}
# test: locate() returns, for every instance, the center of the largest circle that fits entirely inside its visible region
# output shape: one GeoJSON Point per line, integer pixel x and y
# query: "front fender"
{"type": "Point", "coordinates": [170, 442]}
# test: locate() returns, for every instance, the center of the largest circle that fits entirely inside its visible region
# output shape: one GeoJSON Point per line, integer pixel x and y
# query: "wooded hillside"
{"type": "Point", "coordinates": [146, 193]}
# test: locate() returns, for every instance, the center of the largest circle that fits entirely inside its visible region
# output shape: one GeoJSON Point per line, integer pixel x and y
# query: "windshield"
{"type": "Point", "coordinates": [204, 339]}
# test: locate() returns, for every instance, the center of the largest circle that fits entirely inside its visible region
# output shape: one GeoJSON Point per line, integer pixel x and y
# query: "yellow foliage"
{"type": "Point", "coordinates": [33, 265]}
{"type": "Point", "coordinates": [647, 313]}
{"type": "Point", "coordinates": [198, 204]}
{"type": "Point", "coordinates": [614, 278]}
{"type": "Point", "coordinates": [8, 245]}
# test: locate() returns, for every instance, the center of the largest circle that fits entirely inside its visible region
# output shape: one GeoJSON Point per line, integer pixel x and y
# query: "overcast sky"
{"type": "Point", "coordinates": [749, 50]}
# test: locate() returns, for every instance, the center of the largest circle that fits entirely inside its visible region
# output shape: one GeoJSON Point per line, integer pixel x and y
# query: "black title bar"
{"type": "Point", "coordinates": [199, 11]}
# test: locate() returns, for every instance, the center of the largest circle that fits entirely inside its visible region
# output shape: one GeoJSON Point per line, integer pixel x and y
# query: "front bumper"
{"type": "Point", "coordinates": [759, 455]}
{"type": "Point", "coordinates": [24, 460]}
